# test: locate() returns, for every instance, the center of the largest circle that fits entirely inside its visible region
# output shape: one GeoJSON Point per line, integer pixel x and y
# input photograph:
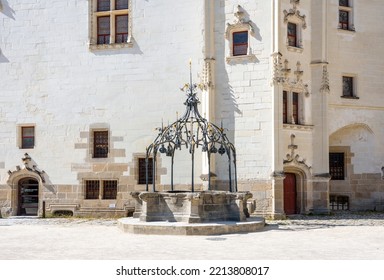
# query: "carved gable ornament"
{"type": "Point", "coordinates": [29, 166]}
{"type": "Point", "coordinates": [294, 14]}
{"type": "Point", "coordinates": [293, 158]}
{"type": "Point", "coordinates": [240, 23]}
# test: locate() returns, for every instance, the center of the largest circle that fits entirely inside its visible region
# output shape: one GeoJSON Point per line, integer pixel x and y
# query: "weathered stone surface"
{"type": "Point", "coordinates": [196, 207]}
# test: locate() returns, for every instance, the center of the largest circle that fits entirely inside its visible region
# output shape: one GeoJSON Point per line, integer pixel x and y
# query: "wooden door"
{"type": "Point", "coordinates": [290, 194]}
{"type": "Point", "coordinates": [28, 197]}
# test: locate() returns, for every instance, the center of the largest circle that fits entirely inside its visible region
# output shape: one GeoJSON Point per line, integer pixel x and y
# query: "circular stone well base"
{"type": "Point", "coordinates": [132, 225]}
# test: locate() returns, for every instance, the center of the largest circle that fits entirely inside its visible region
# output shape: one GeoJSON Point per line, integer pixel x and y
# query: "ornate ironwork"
{"type": "Point", "coordinates": [192, 131]}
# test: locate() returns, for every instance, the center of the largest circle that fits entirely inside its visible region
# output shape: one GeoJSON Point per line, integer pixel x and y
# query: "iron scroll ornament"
{"type": "Point", "coordinates": [191, 131]}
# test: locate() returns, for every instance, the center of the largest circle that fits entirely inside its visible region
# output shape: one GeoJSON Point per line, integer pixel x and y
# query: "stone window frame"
{"type": "Point", "coordinates": [20, 136]}
{"type": "Point", "coordinates": [134, 170]}
{"type": "Point", "coordinates": [92, 143]}
{"type": "Point", "coordinates": [241, 24]}
{"type": "Point", "coordinates": [101, 188]}
{"type": "Point", "coordinates": [229, 35]}
{"type": "Point", "coordinates": [353, 94]}
{"type": "Point", "coordinates": [112, 13]}
{"type": "Point", "coordinates": [346, 150]}
{"type": "Point", "coordinates": [350, 10]}
{"type": "Point", "coordinates": [294, 16]}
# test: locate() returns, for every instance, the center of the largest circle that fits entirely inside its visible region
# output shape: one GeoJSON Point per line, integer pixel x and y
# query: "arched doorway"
{"type": "Point", "coordinates": [28, 197]}
{"type": "Point", "coordinates": [290, 194]}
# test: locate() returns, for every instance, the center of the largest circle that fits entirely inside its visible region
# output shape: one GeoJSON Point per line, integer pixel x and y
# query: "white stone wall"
{"type": "Point", "coordinates": [244, 101]}
{"type": "Point", "coordinates": [51, 79]}
{"type": "Point", "coordinates": [359, 54]}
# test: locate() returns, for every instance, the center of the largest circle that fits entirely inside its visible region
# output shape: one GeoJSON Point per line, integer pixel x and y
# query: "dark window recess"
{"type": "Point", "coordinates": [295, 107]}
{"type": "Point", "coordinates": [27, 137]}
{"type": "Point", "coordinates": [103, 30]}
{"type": "Point", "coordinates": [100, 144]}
{"type": "Point", "coordinates": [121, 4]}
{"type": "Point", "coordinates": [109, 189]}
{"type": "Point", "coordinates": [336, 166]}
{"type": "Point", "coordinates": [121, 29]}
{"type": "Point", "coordinates": [339, 202]}
{"type": "Point", "coordinates": [344, 3]}
{"type": "Point", "coordinates": [103, 5]}
{"type": "Point", "coordinates": [240, 43]}
{"type": "Point", "coordinates": [292, 34]}
{"type": "Point", "coordinates": [343, 19]}
{"type": "Point", "coordinates": [348, 86]}
{"type": "Point", "coordinates": [142, 171]}
{"type": "Point", "coordinates": [285, 107]}
{"type": "Point", "coordinates": [92, 189]}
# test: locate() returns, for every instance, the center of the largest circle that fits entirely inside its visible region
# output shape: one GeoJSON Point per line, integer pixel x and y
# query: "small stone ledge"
{"type": "Point", "coordinates": [298, 127]}
{"type": "Point", "coordinates": [135, 226]}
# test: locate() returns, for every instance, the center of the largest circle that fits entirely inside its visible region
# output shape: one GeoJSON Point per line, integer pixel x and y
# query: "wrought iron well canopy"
{"type": "Point", "coordinates": [192, 131]}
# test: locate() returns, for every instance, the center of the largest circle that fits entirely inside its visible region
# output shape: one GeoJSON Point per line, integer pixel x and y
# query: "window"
{"type": "Point", "coordinates": [27, 137]}
{"type": "Point", "coordinates": [285, 107]}
{"type": "Point", "coordinates": [345, 15]}
{"type": "Point", "coordinates": [295, 107]}
{"type": "Point", "coordinates": [349, 86]}
{"type": "Point", "coordinates": [292, 34]}
{"type": "Point", "coordinates": [343, 19]}
{"type": "Point", "coordinates": [336, 166]}
{"type": "Point", "coordinates": [291, 108]}
{"type": "Point", "coordinates": [93, 189]}
{"type": "Point", "coordinates": [110, 23]}
{"type": "Point", "coordinates": [109, 189]}
{"type": "Point", "coordinates": [142, 171]}
{"type": "Point", "coordinates": [240, 43]}
{"type": "Point", "coordinates": [100, 144]}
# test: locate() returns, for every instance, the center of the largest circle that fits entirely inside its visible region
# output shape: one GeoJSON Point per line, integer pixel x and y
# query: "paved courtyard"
{"type": "Point", "coordinates": [335, 237]}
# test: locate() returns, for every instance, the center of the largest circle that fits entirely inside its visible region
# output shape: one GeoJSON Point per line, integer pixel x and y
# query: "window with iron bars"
{"type": "Point", "coordinates": [336, 166]}
{"type": "Point", "coordinates": [100, 144]}
{"type": "Point", "coordinates": [142, 171]}
{"type": "Point", "coordinates": [104, 189]}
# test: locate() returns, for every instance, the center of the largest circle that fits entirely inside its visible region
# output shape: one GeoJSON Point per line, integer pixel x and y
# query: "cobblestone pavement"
{"type": "Point", "coordinates": [340, 236]}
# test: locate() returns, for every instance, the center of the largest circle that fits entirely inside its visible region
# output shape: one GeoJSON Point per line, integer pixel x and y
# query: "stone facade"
{"type": "Point", "coordinates": [279, 93]}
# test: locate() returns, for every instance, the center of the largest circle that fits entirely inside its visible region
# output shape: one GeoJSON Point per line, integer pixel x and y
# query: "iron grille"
{"type": "Point", "coordinates": [142, 171]}
{"type": "Point", "coordinates": [109, 189]}
{"type": "Point", "coordinates": [336, 166]}
{"type": "Point", "coordinates": [100, 144]}
{"type": "Point", "coordinates": [92, 189]}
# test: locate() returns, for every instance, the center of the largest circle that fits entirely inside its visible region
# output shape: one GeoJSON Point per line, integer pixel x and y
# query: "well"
{"type": "Point", "coordinates": [205, 212]}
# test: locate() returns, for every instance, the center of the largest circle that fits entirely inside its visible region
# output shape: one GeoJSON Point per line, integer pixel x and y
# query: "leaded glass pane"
{"type": "Point", "coordinates": [240, 43]}
{"type": "Point", "coordinates": [103, 5]}
{"type": "Point", "coordinates": [121, 29]}
{"type": "Point", "coordinates": [347, 86]}
{"type": "Point", "coordinates": [121, 4]}
{"type": "Point", "coordinates": [292, 34]}
{"type": "Point", "coordinates": [343, 3]}
{"type": "Point", "coordinates": [343, 19]}
{"type": "Point", "coordinates": [103, 30]}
